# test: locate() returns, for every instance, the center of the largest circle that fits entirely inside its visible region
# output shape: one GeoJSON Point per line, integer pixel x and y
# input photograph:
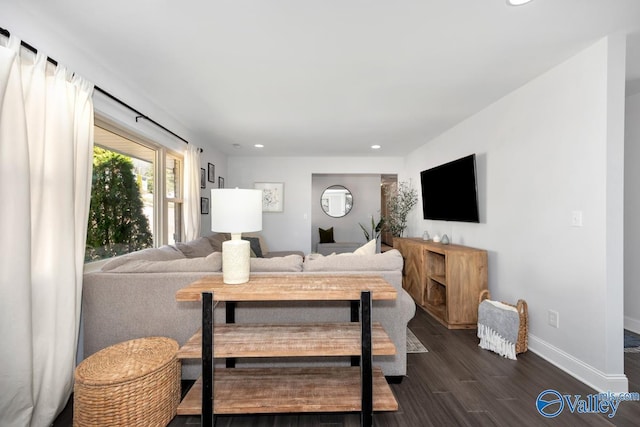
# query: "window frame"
{"type": "Point", "coordinates": [160, 200]}
{"type": "Point", "coordinates": [176, 200]}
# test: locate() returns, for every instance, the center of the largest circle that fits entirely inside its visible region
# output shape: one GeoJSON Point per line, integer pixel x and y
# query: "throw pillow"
{"type": "Point", "coordinates": [368, 248]}
{"type": "Point", "coordinates": [263, 245]}
{"type": "Point", "coordinates": [216, 240]}
{"type": "Point", "coordinates": [255, 246]}
{"type": "Point", "coordinates": [326, 236]}
{"type": "Point", "coordinates": [197, 248]}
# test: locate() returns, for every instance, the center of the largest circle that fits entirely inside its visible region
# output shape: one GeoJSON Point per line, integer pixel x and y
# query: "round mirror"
{"type": "Point", "coordinates": [336, 201]}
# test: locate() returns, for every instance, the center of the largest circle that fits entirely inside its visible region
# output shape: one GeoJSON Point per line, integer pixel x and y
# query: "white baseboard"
{"type": "Point", "coordinates": [632, 324]}
{"type": "Point", "coordinates": [583, 372]}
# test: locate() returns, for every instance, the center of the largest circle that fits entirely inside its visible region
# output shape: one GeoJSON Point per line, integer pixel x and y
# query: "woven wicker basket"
{"type": "Point", "coordinates": [523, 330]}
{"type": "Point", "coordinates": [134, 383]}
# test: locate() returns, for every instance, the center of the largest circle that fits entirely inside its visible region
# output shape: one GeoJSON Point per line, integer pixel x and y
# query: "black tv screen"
{"type": "Point", "coordinates": [449, 191]}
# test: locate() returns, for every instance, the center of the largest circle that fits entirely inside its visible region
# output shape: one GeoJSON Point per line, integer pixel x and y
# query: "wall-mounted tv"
{"type": "Point", "coordinates": [449, 191]}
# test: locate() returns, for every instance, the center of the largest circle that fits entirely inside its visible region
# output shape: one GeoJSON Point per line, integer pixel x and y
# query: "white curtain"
{"type": "Point", "coordinates": [46, 145]}
{"type": "Point", "coordinates": [191, 204]}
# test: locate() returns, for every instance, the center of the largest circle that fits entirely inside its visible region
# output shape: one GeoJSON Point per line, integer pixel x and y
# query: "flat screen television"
{"type": "Point", "coordinates": [449, 191]}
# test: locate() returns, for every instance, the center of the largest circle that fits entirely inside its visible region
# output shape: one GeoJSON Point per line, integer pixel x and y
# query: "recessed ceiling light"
{"type": "Point", "coordinates": [517, 2]}
{"type": "Point", "coordinates": [258, 145]}
{"type": "Point", "coordinates": [375, 147]}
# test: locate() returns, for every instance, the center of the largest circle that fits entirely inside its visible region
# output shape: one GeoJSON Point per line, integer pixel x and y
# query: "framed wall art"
{"type": "Point", "coordinates": [211, 172]}
{"type": "Point", "coordinates": [272, 196]}
{"type": "Point", "coordinates": [203, 178]}
{"type": "Point", "coordinates": [204, 205]}
{"type": "Point", "coordinates": [220, 182]}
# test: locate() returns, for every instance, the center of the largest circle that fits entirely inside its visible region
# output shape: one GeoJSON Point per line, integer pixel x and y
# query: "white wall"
{"type": "Point", "coordinates": [292, 229]}
{"type": "Point", "coordinates": [632, 215]}
{"type": "Point", "coordinates": [549, 148]}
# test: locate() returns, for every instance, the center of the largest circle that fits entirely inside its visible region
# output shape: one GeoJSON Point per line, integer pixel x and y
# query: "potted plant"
{"type": "Point", "coordinates": [374, 232]}
{"type": "Point", "coordinates": [400, 201]}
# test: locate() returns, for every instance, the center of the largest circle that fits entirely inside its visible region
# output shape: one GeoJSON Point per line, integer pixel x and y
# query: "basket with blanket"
{"type": "Point", "coordinates": [502, 328]}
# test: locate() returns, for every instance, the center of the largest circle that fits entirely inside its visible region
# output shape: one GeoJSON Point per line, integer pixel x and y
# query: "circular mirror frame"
{"type": "Point", "coordinates": [339, 211]}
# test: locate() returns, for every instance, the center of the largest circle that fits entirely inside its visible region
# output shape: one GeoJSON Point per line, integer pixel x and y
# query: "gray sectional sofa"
{"type": "Point", "coordinates": [134, 296]}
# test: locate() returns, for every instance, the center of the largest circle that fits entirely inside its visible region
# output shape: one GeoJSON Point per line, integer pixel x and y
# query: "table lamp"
{"type": "Point", "coordinates": [236, 210]}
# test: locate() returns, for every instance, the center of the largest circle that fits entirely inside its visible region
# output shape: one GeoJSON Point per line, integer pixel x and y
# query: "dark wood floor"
{"type": "Point", "coordinates": [457, 384]}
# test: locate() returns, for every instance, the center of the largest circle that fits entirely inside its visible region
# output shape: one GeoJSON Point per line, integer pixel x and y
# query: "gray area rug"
{"type": "Point", "coordinates": [413, 344]}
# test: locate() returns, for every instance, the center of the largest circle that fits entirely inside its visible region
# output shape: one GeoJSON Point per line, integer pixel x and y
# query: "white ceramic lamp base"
{"type": "Point", "coordinates": [236, 255]}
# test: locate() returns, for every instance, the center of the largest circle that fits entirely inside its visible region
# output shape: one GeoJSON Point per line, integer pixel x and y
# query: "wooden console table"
{"type": "Point", "coordinates": [446, 280]}
{"type": "Point", "coordinates": [269, 390]}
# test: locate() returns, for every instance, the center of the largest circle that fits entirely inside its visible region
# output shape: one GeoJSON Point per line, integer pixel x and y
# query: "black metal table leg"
{"type": "Point", "coordinates": [230, 317]}
{"type": "Point", "coordinates": [230, 312]}
{"type": "Point", "coordinates": [355, 317]}
{"type": "Point", "coordinates": [207, 418]}
{"type": "Point", "coordinates": [366, 363]}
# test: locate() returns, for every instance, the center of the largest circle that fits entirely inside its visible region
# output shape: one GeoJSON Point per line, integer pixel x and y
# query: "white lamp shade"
{"type": "Point", "coordinates": [236, 210]}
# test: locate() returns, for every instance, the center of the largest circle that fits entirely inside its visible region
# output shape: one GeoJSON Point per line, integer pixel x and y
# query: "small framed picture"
{"type": "Point", "coordinates": [203, 178]}
{"type": "Point", "coordinates": [204, 205]}
{"type": "Point", "coordinates": [211, 173]}
{"type": "Point", "coordinates": [220, 182]}
{"type": "Point", "coordinates": [272, 196]}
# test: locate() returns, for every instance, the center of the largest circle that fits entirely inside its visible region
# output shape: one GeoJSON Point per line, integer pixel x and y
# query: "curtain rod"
{"type": "Point", "coordinates": [27, 46]}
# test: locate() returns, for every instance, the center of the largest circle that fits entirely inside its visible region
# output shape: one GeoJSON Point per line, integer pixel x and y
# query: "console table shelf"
{"type": "Point", "coordinates": [277, 340]}
{"type": "Point", "coordinates": [287, 390]}
{"type": "Point", "coordinates": [441, 279]}
{"type": "Point", "coordinates": [288, 288]}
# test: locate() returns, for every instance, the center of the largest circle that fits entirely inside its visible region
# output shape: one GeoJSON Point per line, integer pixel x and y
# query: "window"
{"type": "Point", "coordinates": [136, 196]}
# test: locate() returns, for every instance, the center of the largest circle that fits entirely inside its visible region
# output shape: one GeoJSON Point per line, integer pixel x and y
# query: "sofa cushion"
{"type": "Point", "coordinates": [164, 253]}
{"type": "Point", "coordinates": [210, 263]}
{"type": "Point", "coordinates": [390, 260]}
{"type": "Point", "coordinates": [277, 264]}
{"type": "Point", "coordinates": [275, 254]}
{"type": "Point", "coordinates": [197, 248]}
{"type": "Point", "coordinates": [337, 247]}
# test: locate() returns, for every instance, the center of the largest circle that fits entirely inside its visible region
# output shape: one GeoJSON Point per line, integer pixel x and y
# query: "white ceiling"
{"type": "Point", "coordinates": [326, 77]}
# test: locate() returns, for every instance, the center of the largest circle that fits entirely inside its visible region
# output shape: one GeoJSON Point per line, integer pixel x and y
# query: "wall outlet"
{"type": "Point", "coordinates": [554, 318]}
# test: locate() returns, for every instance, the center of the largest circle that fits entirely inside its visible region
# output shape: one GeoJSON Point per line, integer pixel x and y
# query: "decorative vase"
{"type": "Point", "coordinates": [445, 239]}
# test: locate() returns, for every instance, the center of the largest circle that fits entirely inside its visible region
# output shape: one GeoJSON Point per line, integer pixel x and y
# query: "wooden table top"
{"type": "Point", "coordinates": [291, 287]}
